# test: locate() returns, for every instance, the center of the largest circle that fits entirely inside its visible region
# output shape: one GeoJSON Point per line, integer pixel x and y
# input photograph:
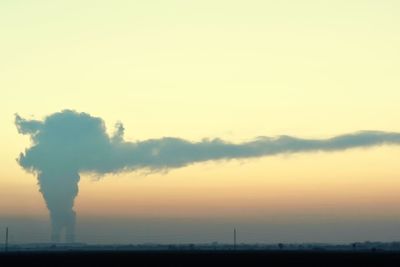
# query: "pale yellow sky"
{"type": "Point", "coordinates": [194, 69]}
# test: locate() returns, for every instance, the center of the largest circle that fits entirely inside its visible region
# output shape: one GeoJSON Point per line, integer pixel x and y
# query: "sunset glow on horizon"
{"type": "Point", "coordinates": [232, 70]}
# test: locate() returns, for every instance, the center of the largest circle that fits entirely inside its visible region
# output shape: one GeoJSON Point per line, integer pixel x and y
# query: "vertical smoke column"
{"type": "Point", "coordinates": [61, 144]}
{"type": "Point", "coordinates": [59, 190]}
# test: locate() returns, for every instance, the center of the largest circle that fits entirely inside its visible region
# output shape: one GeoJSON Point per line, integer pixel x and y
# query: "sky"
{"type": "Point", "coordinates": [234, 70]}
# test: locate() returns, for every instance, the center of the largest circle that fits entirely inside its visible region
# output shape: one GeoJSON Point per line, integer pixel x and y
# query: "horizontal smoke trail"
{"type": "Point", "coordinates": [79, 142]}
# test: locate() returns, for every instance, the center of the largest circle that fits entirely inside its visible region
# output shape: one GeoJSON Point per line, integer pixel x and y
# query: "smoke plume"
{"type": "Point", "coordinates": [68, 143]}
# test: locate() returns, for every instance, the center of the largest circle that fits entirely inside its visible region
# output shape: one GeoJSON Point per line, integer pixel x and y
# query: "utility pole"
{"type": "Point", "coordinates": [234, 238]}
{"type": "Point", "coordinates": [6, 243]}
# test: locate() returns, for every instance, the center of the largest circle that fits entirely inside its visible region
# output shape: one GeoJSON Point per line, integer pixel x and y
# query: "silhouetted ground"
{"type": "Point", "coordinates": [200, 258]}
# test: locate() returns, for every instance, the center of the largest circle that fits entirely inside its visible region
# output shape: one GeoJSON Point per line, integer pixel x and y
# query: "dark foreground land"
{"type": "Point", "coordinates": [200, 258]}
